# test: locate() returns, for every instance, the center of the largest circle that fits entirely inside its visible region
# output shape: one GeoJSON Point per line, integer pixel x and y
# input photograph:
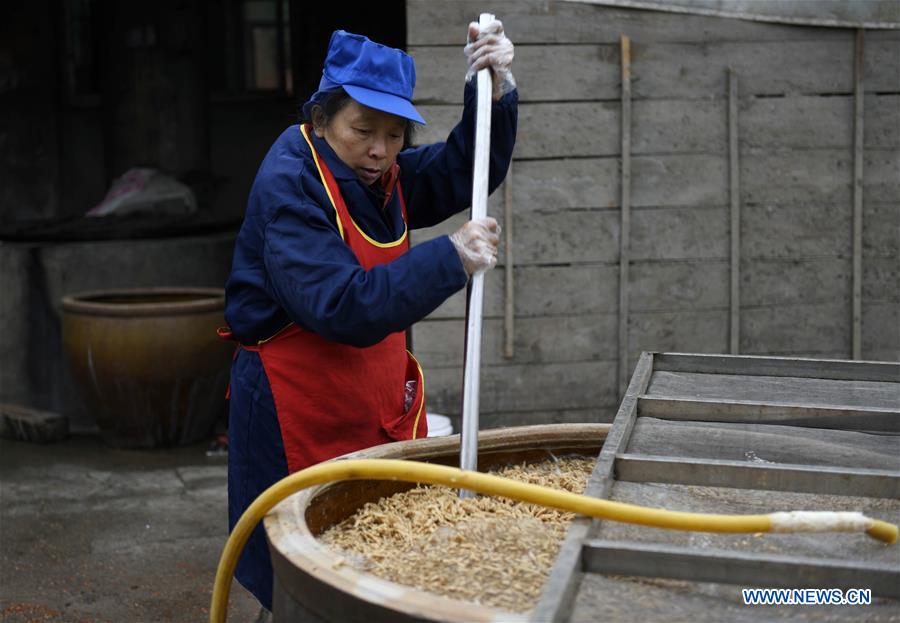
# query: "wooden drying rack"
{"type": "Point", "coordinates": [739, 399]}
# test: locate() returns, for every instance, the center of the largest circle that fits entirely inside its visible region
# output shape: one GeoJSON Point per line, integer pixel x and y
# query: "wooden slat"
{"type": "Point", "coordinates": [558, 592]}
{"type": "Point", "coordinates": [561, 184]}
{"type": "Point", "coordinates": [679, 233]}
{"type": "Point", "coordinates": [765, 444]}
{"type": "Point", "coordinates": [549, 73]}
{"type": "Point", "coordinates": [575, 385]}
{"type": "Point", "coordinates": [816, 230]}
{"type": "Point", "coordinates": [567, 237]}
{"type": "Point", "coordinates": [880, 277]}
{"type": "Point", "coordinates": [789, 281]}
{"type": "Point", "coordinates": [587, 336]}
{"type": "Point", "coordinates": [881, 331]}
{"type": "Point", "coordinates": [732, 567]}
{"type": "Point", "coordinates": [785, 178]}
{"type": "Point", "coordinates": [779, 389]}
{"type": "Point", "coordinates": [881, 229]}
{"type": "Point", "coordinates": [592, 73]}
{"type": "Point", "coordinates": [881, 128]}
{"type": "Point", "coordinates": [734, 191]}
{"type": "Point", "coordinates": [881, 182]}
{"type": "Point", "coordinates": [447, 227]}
{"type": "Point", "coordinates": [770, 181]}
{"type": "Point", "coordinates": [591, 129]}
{"type": "Point", "coordinates": [509, 317]}
{"type": "Point", "coordinates": [625, 208]}
{"type": "Point", "coordinates": [881, 63]}
{"type": "Point", "coordinates": [836, 355]}
{"type": "Point", "coordinates": [685, 331]}
{"type": "Point", "coordinates": [800, 122]}
{"type": "Point", "coordinates": [856, 317]}
{"type": "Point", "coordinates": [825, 13]}
{"type": "Point", "coordinates": [815, 330]}
{"type": "Point", "coordinates": [592, 236]}
{"type": "Point", "coordinates": [777, 366]}
{"type": "Point", "coordinates": [683, 180]}
{"type": "Point", "coordinates": [553, 339]}
{"type": "Point", "coordinates": [803, 240]}
{"type": "Point", "coordinates": [795, 230]}
{"type": "Point", "coordinates": [500, 419]}
{"type": "Point", "coordinates": [795, 328]}
{"type": "Point", "coordinates": [545, 291]}
{"type": "Point", "coordinates": [540, 21]}
{"type": "Point", "coordinates": [824, 480]}
{"type": "Point", "coordinates": [677, 286]}
{"type": "Point", "coordinates": [748, 411]}
{"type": "Point", "coordinates": [602, 478]}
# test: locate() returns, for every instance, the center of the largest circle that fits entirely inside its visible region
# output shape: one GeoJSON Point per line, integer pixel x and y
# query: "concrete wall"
{"type": "Point", "coordinates": [795, 126]}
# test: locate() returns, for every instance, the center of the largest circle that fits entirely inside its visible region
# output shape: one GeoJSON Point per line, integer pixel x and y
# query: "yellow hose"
{"type": "Point", "coordinates": [413, 471]}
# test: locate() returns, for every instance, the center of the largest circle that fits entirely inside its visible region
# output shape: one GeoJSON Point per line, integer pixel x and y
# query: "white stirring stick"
{"type": "Point", "coordinates": [468, 456]}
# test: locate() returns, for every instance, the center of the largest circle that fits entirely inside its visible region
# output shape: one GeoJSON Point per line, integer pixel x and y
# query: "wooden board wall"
{"type": "Point", "coordinates": [795, 123]}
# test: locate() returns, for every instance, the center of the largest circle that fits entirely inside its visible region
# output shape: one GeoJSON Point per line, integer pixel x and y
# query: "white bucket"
{"type": "Point", "coordinates": [438, 425]}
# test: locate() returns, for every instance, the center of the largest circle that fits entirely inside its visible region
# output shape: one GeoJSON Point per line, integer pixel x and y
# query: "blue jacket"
{"type": "Point", "coordinates": [291, 265]}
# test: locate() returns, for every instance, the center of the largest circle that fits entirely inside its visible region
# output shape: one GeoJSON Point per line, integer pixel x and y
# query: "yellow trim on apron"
{"type": "Point", "coordinates": [274, 335]}
{"type": "Point", "coordinates": [324, 183]}
{"type": "Point", "coordinates": [382, 245]}
{"type": "Point", "coordinates": [421, 402]}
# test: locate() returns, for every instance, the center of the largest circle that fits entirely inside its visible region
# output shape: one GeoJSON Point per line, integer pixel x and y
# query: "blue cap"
{"type": "Point", "coordinates": [374, 75]}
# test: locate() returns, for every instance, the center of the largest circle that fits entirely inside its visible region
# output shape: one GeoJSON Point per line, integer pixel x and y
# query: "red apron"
{"type": "Point", "coordinates": [333, 398]}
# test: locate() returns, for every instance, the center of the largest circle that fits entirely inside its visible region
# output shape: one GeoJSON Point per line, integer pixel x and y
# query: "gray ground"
{"type": "Point", "coordinates": [88, 533]}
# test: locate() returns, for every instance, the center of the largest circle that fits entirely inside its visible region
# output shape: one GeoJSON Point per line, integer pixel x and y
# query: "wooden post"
{"type": "Point", "coordinates": [858, 155]}
{"type": "Point", "coordinates": [735, 196]}
{"type": "Point", "coordinates": [625, 230]}
{"type": "Point", "coordinates": [509, 333]}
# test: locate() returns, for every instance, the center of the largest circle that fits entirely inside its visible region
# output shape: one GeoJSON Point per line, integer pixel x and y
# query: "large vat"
{"type": "Point", "coordinates": [313, 584]}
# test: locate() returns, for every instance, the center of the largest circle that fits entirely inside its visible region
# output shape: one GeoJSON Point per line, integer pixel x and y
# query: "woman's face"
{"type": "Point", "coordinates": [365, 139]}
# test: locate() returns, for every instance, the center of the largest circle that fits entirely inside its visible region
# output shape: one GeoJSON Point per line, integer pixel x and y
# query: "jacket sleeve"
{"type": "Point", "coordinates": [317, 280]}
{"type": "Point", "coordinates": [437, 178]}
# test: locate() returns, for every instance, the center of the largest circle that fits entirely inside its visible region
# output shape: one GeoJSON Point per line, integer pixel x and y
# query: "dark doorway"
{"type": "Point", "coordinates": [313, 22]}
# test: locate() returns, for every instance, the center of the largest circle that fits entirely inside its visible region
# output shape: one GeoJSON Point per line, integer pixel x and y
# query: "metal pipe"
{"type": "Point", "coordinates": [468, 455]}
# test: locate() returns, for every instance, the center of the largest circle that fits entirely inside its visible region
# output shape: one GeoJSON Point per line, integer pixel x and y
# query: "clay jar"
{"type": "Point", "coordinates": [148, 362]}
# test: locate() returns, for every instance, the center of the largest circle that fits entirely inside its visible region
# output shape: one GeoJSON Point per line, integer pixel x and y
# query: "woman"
{"type": "Point", "coordinates": [324, 284]}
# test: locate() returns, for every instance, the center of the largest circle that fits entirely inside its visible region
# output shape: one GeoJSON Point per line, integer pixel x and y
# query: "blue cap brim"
{"type": "Point", "coordinates": [384, 102]}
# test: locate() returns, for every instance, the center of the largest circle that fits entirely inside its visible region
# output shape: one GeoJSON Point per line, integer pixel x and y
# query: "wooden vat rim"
{"type": "Point", "coordinates": [291, 540]}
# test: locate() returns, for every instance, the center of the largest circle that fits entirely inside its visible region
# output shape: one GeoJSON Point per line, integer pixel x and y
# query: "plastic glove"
{"type": "Point", "coordinates": [476, 242]}
{"type": "Point", "coordinates": [490, 48]}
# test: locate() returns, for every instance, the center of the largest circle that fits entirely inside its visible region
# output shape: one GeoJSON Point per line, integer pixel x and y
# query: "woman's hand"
{"type": "Point", "coordinates": [490, 48]}
{"type": "Point", "coordinates": [476, 242]}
